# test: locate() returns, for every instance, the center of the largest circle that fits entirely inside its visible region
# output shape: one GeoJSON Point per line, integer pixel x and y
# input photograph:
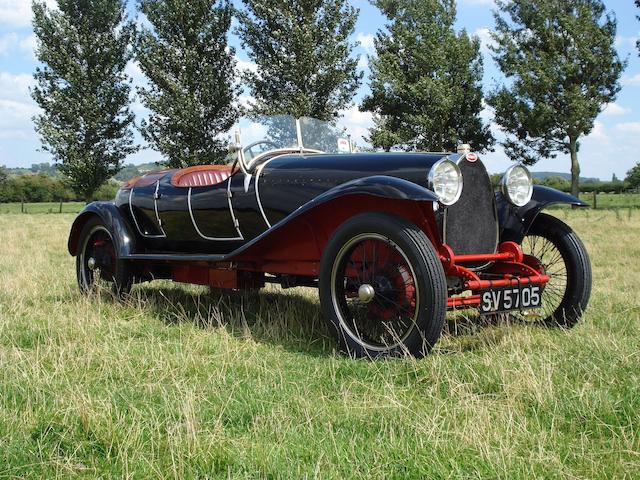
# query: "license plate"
{"type": "Point", "coordinates": [510, 298]}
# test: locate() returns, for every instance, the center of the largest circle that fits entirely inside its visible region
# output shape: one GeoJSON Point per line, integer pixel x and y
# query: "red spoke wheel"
{"type": "Point", "coordinates": [98, 267]}
{"type": "Point", "coordinates": [564, 258]}
{"type": "Point", "coordinates": [382, 287]}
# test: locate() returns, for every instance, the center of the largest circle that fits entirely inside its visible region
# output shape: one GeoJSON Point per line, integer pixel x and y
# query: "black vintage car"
{"type": "Point", "coordinates": [391, 240]}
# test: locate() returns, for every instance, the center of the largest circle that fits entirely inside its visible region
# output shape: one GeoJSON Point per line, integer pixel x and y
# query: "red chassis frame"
{"type": "Point", "coordinates": [510, 268]}
{"type": "Point", "coordinates": [277, 255]}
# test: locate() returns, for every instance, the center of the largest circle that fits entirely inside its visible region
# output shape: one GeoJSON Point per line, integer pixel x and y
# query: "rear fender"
{"type": "Point", "coordinates": [302, 235]}
{"type": "Point", "coordinates": [113, 220]}
{"type": "Point", "coordinates": [515, 222]}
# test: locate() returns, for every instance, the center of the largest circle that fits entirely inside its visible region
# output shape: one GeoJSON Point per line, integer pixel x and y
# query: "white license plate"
{"type": "Point", "coordinates": [510, 298]}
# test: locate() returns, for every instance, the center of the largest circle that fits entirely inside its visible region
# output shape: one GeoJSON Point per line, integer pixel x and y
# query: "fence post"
{"type": "Point", "coordinates": [595, 200]}
{"type": "Point", "coordinates": [22, 205]}
{"type": "Point", "coordinates": [60, 209]}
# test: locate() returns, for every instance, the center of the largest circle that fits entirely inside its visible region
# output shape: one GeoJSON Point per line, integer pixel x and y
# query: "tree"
{"type": "Point", "coordinates": [44, 167]}
{"type": "Point", "coordinates": [562, 67]}
{"type": "Point", "coordinates": [557, 182]}
{"type": "Point", "coordinates": [303, 56]}
{"type": "Point", "coordinates": [82, 89]}
{"type": "Point", "coordinates": [192, 91]}
{"type": "Point", "coordinates": [3, 174]}
{"type": "Point", "coordinates": [633, 177]}
{"type": "Point", "coordinates": [426, 80]}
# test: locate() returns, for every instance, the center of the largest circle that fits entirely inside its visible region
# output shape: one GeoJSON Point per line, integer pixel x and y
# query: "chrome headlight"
{"type": "Point", "coordinates": [517, 185]}
{"type": "Point", "coordinates": [445, 179]}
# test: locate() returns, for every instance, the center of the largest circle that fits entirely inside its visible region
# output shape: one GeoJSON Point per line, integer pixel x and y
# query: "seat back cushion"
{"type": "Point", "coordinates": [201, 176]}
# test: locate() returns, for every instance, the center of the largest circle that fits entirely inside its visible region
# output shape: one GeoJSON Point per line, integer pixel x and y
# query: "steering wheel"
{"type": "Point", "coordinates": [249, 147]}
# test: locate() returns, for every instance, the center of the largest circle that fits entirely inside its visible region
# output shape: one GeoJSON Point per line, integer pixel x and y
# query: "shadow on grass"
{"type": "Point", "coordinates": [290, 319]}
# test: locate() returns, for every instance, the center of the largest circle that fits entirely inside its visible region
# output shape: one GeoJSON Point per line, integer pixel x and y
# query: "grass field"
{"type": "Point", "coordinates": [183, 383]}
{"type": "Point", "coordinates": [613, 200]}
{"type": "Point", "coordinates": [43, 207]}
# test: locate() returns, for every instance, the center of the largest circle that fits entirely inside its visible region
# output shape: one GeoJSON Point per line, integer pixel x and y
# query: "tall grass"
{"type": "Point", "coordinates": [180, 382]}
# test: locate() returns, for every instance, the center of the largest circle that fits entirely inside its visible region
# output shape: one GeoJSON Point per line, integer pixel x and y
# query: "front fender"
{"type": "Point", "coordinates": [113, 220]}
{"type": "Point", "coordinates": [313, 223]}
{"type": "Point", "coordinates": [516, 221]}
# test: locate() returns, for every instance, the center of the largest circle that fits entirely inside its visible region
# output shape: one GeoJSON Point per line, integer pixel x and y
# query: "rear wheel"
{"type": "Point", "coordinates": [564, 258]}
{"type": "Point", "coordinates": [98, 267]}
{"type": "Point", "coordinates": [382, 287]}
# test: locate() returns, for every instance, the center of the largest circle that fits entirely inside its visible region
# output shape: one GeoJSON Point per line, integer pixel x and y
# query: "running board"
{"type": "Point", "coordinates": [173, 257]}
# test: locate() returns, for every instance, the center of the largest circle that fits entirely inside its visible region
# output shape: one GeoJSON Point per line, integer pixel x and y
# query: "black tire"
{"type": "Point", "coordinates": [566, 261]}
{"type": "Point", "coordinates": [96, 242]}
{"type": "Point", "coordinates": [416, 306]}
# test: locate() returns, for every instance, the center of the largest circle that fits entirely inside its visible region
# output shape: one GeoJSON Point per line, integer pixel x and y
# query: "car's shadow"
{"type": "Point", "coordinates": [291, 319]}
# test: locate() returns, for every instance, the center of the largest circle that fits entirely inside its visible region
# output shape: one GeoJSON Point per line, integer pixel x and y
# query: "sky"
{"type": "Point", "coordinates": [611, 147]}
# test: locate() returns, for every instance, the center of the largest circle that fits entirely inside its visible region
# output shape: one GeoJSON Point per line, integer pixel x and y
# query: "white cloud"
{"type": "Point", "coordinates": [17, 13]}
{"type": "Point", "coordinates": [626, 41]}
{"type": "Point", "coordinates": [8, 134]}
{"type": "Point", "coordinates": [246, 65]}
{"type": "Point", "coordinates": [488, 112]}
{"type": "Point", "coordinates": [366, 41]}
{"type": "Point", "coordinates": [12, 42]}
{"type": "Point", "coordinates": [633, 81]}
{"type": "Point", "coordinates": [16, 107]}
{"type": "Point", "coordinates": [629, 127]}
{"type": "Point", "coordinates": [15, 87]}
{"type": "Point", "coordinates": [13, 111]}
{"type": "Point", "coordinates": [357, 123]}
{"type": "Point", "coordinates": [484, 34]}
{"type": "Point", "coordinates": [28, 44]}
{"type": "Point", "coordinates": [363, 63]}
{"type": "Point", "coordinates": [598, 132]}
{"type": "Point", "coordinates": [246, 100]}
{"type": "Point", "coordinates": [614, 109]}
{"type": "Point", "coordinates": [8, 41]}
{"type": "Point", "coordinates": [134, 71]}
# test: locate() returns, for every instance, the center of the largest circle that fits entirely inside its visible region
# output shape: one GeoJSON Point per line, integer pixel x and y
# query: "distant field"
{"type": "Point", "coordinates": [613, 200]}
{"type": "Point", "coordinates": [605, 201]}
{"type": "Point", "coordinates": [183, 383]}
{"type": "Point", "coordinates": [44, 207]}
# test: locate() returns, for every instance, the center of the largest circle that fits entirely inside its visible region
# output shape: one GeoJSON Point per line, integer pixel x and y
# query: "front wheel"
{"type": "Point", "coordinates": [98, 267]}
{"type": "Point", "coordinates": [564, 259]}
{"type": "Point", "coordinates": [382, 287]}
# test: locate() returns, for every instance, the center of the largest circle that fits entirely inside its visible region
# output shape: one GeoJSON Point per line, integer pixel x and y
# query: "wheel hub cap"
{"type": "Point", "coordinates": [366, 293]}
{"type": "Point", "coordinates": [91, 263]}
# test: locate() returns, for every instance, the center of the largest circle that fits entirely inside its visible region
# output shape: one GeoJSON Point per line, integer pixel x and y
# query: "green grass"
{"type": "Point", "coordinates": [43, 207]}
{"type": "Point", "coordinates": [613, 200]}
{"type": "Point", "coordinates": [183, 383]}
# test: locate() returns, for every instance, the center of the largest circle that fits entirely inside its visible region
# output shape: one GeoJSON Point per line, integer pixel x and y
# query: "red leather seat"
{"type": "Point", "coordinates": [201, 176]}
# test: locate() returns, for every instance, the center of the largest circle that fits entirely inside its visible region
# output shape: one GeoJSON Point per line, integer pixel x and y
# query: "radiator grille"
{"type": "Point", "coordinates": [471, 224]}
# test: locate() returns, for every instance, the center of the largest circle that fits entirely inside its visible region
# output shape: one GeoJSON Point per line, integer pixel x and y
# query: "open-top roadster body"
{"type": "Point", "coordinates": [392, 240]}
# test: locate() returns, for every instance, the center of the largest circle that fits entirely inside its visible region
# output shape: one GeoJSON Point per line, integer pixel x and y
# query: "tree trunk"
{"type": "Point", "coordinates": [575, 167]}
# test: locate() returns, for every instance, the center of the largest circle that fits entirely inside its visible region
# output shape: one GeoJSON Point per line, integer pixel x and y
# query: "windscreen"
{"type": "Point", "coordinates": [263, 134]}
{"type": "Point", "coordinates": [323, 136]}
{"type": "Point", "coordinates": [266, 133]}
